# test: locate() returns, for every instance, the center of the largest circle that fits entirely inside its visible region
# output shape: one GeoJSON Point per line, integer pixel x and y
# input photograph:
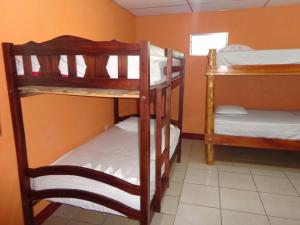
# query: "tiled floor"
{"type": "Point", "coordinates": [237, 190]}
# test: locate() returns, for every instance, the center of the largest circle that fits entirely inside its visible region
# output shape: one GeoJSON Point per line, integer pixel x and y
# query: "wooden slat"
{"type": "Point", "coordinates": [164, 156]}
{"type": "Point", "coordinates": [88, 173]}
{"type": "Point", "coordinates": [255, 70]}
{"type": "Point", "coordinates": [90, 62]}
{"type": "Point", "coordinates": [49, 65]}
{"type": "Point", "coordinates": [71, 45]}
{"type": "Point", "coordinates": [27, 65]}
{"type": "Point", "coordinates": [72, 68]}
{"type": "Point", "coordinates": [122, 65]}
{"type": "Point", "coordinates": [88, 196]}
{"type": "Point", "coordinates": [101, 63]}
{"type": "Point", "coordinates": [174, 69]}
{"type": "Point", "coordinates": [253, 142]}
{"type": "Point", "coordinates": [91, 92]}
{"type": "Point", "coordinates": [123, 84]}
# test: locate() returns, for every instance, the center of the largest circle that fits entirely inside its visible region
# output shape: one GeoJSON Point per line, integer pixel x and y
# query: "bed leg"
{"type": "Point", "coordinates": [157, 204]}
{"type": "Point", "coordinates": [210, 154]}
{"type": "Point", "coordinates": [179, 152]}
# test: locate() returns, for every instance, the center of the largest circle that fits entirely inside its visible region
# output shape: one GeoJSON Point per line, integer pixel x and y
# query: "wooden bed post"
{"type": "Point", "coordinates": [163, 114]}
{"type": "Point", "coordinates": [209, 116]}
{"type": "Point", "coordinates": [180, 110]}
{"type": "Point", "coordinates": [144, 133]}
{"type": "Point", "coordinates": [116, 110]}
{"type": "Point", "coordinates": [19, 133]}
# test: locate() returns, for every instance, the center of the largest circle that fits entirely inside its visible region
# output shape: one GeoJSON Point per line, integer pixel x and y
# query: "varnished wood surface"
{"type": "Point", "coordinates": [253, 142]}
{"type": "Point", "coordinates": [88, 196]}
{"type": "Point", "coordinates": [88, 173]}
{"type": "Point", "coordinates": [89, 92]}
{"type": "Point", "coordinates": [255, 70]}
{"type": "Point", "coordinates": [49, 80]}
{"type": "Point", "coordinates": [241, 70]}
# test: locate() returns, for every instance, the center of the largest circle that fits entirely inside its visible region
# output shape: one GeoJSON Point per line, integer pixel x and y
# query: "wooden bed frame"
{"type": "Point", "coordinates": [96, 83]}
{"type": "Point", "coordinates": [211, 138]}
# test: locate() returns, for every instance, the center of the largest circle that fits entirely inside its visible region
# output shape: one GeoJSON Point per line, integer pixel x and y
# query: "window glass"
{"type": "Point", "coordinates": [201, 43]}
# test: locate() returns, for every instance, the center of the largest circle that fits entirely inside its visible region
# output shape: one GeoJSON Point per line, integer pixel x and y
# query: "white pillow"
{"type": "Point", "coordinates": [231, 110]}
{"type": "Point", "coordinates": [235, 47]}
{"type": "Point", "coordinates": [132, 124]}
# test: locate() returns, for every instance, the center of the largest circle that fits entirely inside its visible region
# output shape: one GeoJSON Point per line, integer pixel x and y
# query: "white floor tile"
{"type": "Point", "coordinates": [56, 220]}
{"type": "Point", "coordinates": [169, 205]}
{"type": "Point", "coordinates": [296, 183]}
{"type": "Point", "coordinates": [90, 216]}
{"type": "Point", "coordinates": [292, 173]}
{"type": "Point", "coordinates": [233, 169]}
{"type": "Point", "coordinates": [198, 176]}
{"type": "Point", "coordinates": [281, 221]}
{"type": "Point", "coordinates": [177, 176]}
{"type": "Point", "coordinates": [162, 219]}
{"type": "Point", "coordinates": [240, 200]}
{"type": "Point", "coordinates": [119, 220]}
{"type": "Point", "coordinates": [202, 166]}
{"type": "Point", "coordinates": [275, 185]}
{"type": "Point", "coordinates": [281, 205]}
{"type": "Point", "coordinates": [66, 211]}
{"type": "Point", "coordinates": [241, 218]}
{"type": "Point", "coordinates": [200, 195]}
{"type": "Point", "coordinates": [197, 215]}
{"type": "Point", "coordinates": [75, 222]}
{"type": "Point", "coordinates": [265, 171]}
{"type": "Point", "coordinates": [180, 167]}
{"type": "Point", "coordinates": [236, 180]}
{"type": "Point", "coordinates": [174, 189]}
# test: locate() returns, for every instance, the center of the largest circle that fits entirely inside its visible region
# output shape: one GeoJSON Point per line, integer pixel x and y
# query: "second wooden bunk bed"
{"type": "Point", "coordinates": [212, 138]}
{"type": "Point", "coordinates": [96, 83]}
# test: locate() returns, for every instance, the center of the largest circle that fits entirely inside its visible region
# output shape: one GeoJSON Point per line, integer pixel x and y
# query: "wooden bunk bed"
{"type": "Point", "coordinates": [211, 137]}
{"type": "Point", "coordinates": [96, 82]}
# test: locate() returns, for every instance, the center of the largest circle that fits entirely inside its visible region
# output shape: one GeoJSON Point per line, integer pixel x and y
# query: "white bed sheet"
{"type": "Point", "coordinates": [157, 63]}
{"type": "Point", "coordinates": [120, 159]}
{"type": "Point", "coordinates": [260, 123]}
{"type": "Point", "coordinates": [259, 57]}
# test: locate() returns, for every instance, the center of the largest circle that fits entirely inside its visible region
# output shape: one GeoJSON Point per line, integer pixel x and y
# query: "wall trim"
{"type": "Point", "coordinates": [46, 213]}
{"type": "Point", "coordinates": [193, 136]}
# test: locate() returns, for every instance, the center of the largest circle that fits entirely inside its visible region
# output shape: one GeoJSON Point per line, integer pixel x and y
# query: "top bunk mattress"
{"type": "Point", "coordinates": [259, 57]}
{"type": "Point", "coordinates": [157, 63]}
{"type": "Point", "coordinates": [260, 123]}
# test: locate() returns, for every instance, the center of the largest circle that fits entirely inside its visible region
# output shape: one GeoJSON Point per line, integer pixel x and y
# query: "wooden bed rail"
{"type": "Point", "coordinates": [249, 70]}
{"type": "Point", "coordinates": [87, 173]}
{"type": "Point", "coordinates": [49, 71]}
{"type": "Point", "coordinates": [88, 196]}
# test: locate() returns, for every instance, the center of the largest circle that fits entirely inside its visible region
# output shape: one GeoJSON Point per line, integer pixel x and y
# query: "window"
{"type": "Point", "coordinates": [201, 43]}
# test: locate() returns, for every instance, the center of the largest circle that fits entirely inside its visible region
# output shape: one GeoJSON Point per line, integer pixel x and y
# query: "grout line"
{"type": "Point", "coordinates": [293, 219]}
{"type": "Point", "coordinates": [260, 198]}
{"type": "Point", "coordinates": [292, 185]}
{"type": "Point", "coordinates": [221, 216]}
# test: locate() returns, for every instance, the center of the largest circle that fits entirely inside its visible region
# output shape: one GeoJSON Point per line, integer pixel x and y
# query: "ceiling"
{"type": "Point", "coordinates": [159, 7]}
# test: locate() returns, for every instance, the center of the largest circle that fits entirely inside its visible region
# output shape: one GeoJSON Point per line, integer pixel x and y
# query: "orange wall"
{"type": "Point", "coordinates": [53, 124]}
{"type": "Point", "coordinates": [266, 28]}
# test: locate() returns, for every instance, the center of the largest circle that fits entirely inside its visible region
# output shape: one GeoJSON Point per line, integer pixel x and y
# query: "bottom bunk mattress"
{"type": "Point", "coordinates": [115, 152]}
{"type": "Point", "coordinates": [260, 123]}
